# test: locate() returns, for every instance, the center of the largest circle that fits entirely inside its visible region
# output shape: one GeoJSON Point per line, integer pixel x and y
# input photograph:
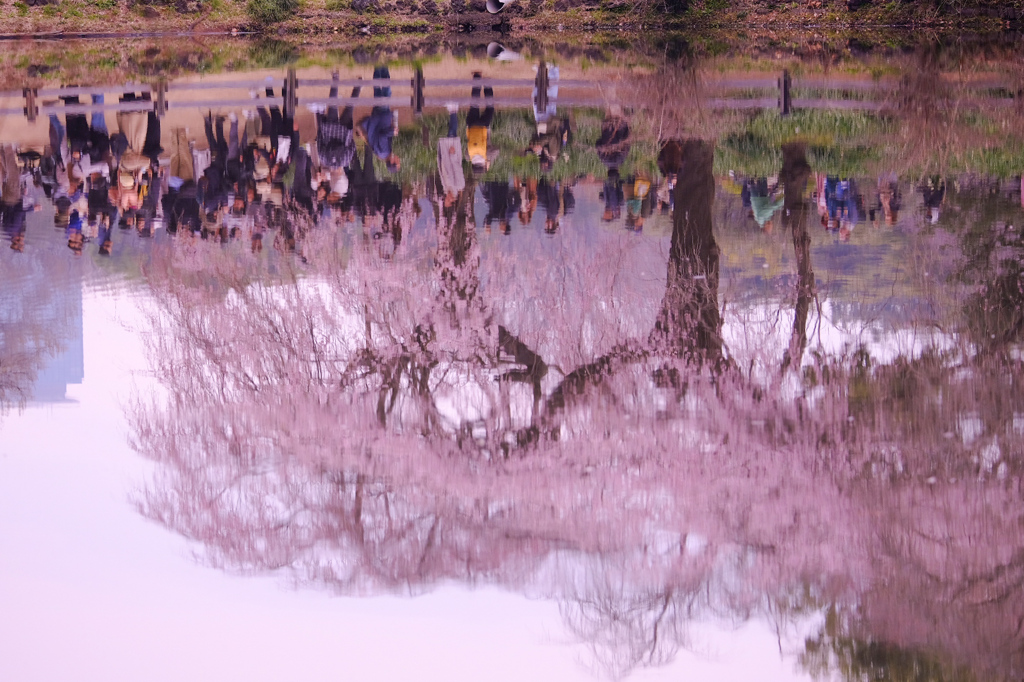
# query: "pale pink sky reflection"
{"type": "Point", "coordinates": [89, 590]}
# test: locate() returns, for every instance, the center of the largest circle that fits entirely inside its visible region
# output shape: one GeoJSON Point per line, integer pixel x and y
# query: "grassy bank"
{"type": "Point", "coordinates": [391, 17]}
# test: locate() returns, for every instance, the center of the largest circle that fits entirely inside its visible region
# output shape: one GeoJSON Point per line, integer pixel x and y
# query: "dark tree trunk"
{"type": "Point", "coordinates": [795, 171]}
{"type": "Point", "coordinates": [690, 323]}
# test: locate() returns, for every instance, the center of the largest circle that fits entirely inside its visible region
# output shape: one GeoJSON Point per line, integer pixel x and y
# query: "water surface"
{"type": "Point", "coordinates": [678, 383]}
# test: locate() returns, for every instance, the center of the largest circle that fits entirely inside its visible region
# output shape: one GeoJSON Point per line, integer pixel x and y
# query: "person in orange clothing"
{"type": "Point", "coordinates": [478, 131]}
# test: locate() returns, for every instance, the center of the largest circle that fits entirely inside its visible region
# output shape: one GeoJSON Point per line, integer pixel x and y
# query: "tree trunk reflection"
{"type": "Point", "coordinates": [794, 175]}
{"type": "Point", "coordinates": [690, 323]}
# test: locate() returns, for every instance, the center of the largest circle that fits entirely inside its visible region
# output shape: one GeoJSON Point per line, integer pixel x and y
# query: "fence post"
{"type": "Point", "coordinates": [291, 100]}
{"type": "Point", "coordinates": [417, 92]}
{"type": "Point", "coordinates": [31, 106]}
{"type": "Point", "coordinates": [541, 83]}
{"type": "Point", "coordinates": [785, 101]}
{"type": "Point", "coordinates": [160, 90]}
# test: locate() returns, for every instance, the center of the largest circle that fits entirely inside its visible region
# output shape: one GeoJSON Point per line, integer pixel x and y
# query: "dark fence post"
{"type": "Point", "coordinates": [541, 84]}
{"type": "Point", "coordinates": [291, 100]}
{"type": "Point", "coordinates": [417, 92]}
{"type": "Point", "coordinates": [785, 100]}
{"type": "Point", "coordinates": [31, 106]}
{"type": "Point", "coordinates": [160, 90]}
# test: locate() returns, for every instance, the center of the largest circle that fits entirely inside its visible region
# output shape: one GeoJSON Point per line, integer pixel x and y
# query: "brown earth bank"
{"type": "Point", "coordinates": [27, 63]}
{"type": "Point", "coordinates": [418, 17]}
{"type": "Point", "coordinates": [115, 59]}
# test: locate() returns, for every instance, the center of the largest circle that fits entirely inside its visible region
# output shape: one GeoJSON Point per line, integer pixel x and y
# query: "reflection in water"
{"type": "Point", "coordinates": [396, 394]}
{"type": "Point", "coordinates": [794, 175]}
{"type": "Point", "coordinates": [40, 327]}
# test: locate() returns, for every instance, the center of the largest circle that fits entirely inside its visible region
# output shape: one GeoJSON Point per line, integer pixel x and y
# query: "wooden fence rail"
{"type": "Point", "coordinates": [754, 91]}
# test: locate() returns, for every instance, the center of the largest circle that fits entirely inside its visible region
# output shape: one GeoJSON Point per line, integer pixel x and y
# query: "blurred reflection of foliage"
{"type": "Point", "coordinates": [988, 227]}
{"type": "Point", "coordinates": [833, 654]}
{"type": "Point", "coordinates": [271, 53]}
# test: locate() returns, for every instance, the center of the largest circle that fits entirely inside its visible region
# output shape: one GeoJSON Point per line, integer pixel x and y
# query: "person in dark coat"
{"type": "Point", "coordinates": [379, 126]}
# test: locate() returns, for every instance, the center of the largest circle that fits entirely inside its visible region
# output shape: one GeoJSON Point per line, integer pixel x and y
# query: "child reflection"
{"type": "Point", "coordinates": [933, 193]}
{"type": "Point", "coordinates": [766, 200]}
{"type": "Point", "coordinates": [840, 205]}
{"type": "Point", "coordinates": [527, 190]}
{"type": "Point", "coordinates": [613, 196]}
{"type": "Point", "coordinates": [15, 203]}
{"type": "Point", "coordinates": [73, 232]}
{"type": "Point", "coordinates": [613, 147]}
{"type": "Point", "coordinates": [888, 201]}
{"type": "Point", "coordinates": [502, 204]}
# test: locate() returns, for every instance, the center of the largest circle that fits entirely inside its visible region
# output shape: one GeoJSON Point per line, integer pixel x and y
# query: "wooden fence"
{"type": "Point", "coordinates": [746, 93]}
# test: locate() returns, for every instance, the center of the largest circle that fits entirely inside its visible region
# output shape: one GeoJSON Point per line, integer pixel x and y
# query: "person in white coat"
{"type": "Point", "coordinates": [449, 158]}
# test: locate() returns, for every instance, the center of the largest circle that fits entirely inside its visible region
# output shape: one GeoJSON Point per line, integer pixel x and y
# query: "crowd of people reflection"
{"type": "Point", "coordinates": [261, 181]}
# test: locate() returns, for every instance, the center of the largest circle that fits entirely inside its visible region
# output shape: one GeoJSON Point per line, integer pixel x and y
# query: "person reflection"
{"type": "Point", "coordinates": [502, 204]}
{"type": "Point", "coordinates": [844, 205]}
{"type": "Point", "coordinates": [933, 193]}
{"type": "Point", "coordinates": [552, 137]}
{"type": "Point", "coordinates": [336, 147]}
{"type": "Point", "coordinates": [449, 160]}
{"type": "Point", "coordinates": [364, 187]}
{"type": "Point", "coordinates": [527, 190]}
{"type": "Point", "coordinates": [549, 198]}
{"type": "Point", "coordinates": [613, 195]}
{"type": "Point", "coordinates": [638, 198]}
{"type": "Point", "coordinates": [478, 130]}
{"type": "Point", "coordinates": [73, 232]}
{"type": "Point", "coordinates": [185, 209]}
{"type": "Point", "coordinates": [888, 201]}
{"type": "Point", "coordinates": [613, 147]}
{"type": "Point", "coordinates": [615, 140]}
{"type": "Point", "coordinates": [14, 202]}
{"type": "Point", "coordinates": [670, 160]}
{"type": "Point", "coordinates": [106, 239]}
{"type": "Point", "coordinates": [766, 199]}
{"type": "Point", "coordinates": [390, 195]}
{"type": "Point", "coordinates": [380, 127]}
{"type": "Point", "coordinates": [278, 138]}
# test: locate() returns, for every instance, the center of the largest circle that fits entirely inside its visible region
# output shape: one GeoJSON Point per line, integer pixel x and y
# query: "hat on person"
{"type": "Point", "coordinates": [126, 179]}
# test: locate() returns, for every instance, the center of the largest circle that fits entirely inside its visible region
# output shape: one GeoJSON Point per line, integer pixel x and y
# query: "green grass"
{"type": "Point", "coordinates": [842, 143]}
{"type": "Point", "coordinates": [271, 11]}
{"type": "Point", "coordinates": [511, 133]}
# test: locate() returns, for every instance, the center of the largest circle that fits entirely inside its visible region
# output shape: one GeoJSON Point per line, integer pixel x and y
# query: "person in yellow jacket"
{"type": "Point", "coordinates": [478, 130]}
